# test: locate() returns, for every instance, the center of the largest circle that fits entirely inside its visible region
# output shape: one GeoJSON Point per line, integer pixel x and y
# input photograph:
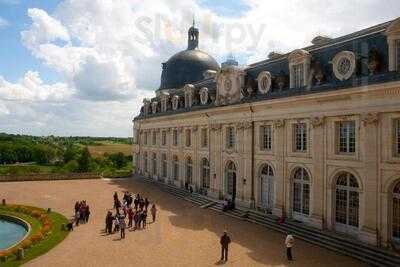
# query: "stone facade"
{"type": "Point", "coordinates": [329, 158]}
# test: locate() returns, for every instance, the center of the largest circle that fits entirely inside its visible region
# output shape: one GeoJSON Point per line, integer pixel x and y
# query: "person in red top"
{"type": "Point", "coordinates": [225, 241]}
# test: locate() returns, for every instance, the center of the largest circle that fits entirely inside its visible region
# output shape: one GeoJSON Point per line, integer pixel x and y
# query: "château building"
{"type": "Point", "coordinates": [313, 135]}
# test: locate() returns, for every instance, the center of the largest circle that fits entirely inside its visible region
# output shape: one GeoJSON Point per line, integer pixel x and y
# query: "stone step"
{"type": "Point", "coordinates": [363, 252]}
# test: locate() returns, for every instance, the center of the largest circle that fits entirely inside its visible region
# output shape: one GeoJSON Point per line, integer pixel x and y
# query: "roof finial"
{"type": "Point", "coordinates": [194, 23]}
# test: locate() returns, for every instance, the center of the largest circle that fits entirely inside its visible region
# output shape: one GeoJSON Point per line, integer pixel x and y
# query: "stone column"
{"type": "Point", "coordinates": [279, 151]}
{"type": "Point", "coordinates": [318, 177]}
{"type": "Point", "coordinates": [369, 145]}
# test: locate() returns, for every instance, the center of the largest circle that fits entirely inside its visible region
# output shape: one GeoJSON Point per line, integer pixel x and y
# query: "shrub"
{"type": "Point", "coordinates": [36, 237]}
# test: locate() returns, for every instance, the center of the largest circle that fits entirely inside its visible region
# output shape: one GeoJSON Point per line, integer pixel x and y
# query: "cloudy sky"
{"type": "Point", "coordinates": [82, 67]}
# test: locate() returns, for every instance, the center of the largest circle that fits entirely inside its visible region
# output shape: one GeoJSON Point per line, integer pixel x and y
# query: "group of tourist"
{"type": "Point", "coordinates": [82, 212]}
{"type": "Point", "coordinates": [132, 207]}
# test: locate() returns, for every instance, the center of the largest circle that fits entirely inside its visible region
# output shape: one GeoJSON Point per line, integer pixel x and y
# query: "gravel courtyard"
{"type": "Point", "coordinates": [184, 234]}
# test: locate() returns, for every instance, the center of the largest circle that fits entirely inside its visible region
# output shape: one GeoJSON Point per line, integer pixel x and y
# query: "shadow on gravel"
{"type": "Point", "coordinates": [262, 247]}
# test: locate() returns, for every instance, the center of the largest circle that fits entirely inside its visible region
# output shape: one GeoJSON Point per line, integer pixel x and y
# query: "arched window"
{"type": "Point", "coordinates": [154, 163]}
{"type": "Point", "coordinates": [301, 191]}
{"type": "Point", "coordinates": [266, 187]}
{"type": "Point", "coordinates": [189, 170]}
{"type": "Point", "coordinates": [231, 178]}
{"type": "Point", "coordinates": [175, 167]}
{"type": "Point", "coordinates": [347, 199]}
{"type": "Point", "coordinates": [164, 165]}
{"type": "Point", "coordinates": [396, 212]}
{"type": "Point", "coordinates": [205, 173]}
{"type": "Point", "coordinates": [146, 163]}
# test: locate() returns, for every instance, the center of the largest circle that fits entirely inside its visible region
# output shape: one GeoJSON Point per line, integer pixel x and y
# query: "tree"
{"type": "Point", "coordinates": [84, 160]}
{"type": "Point", "coordinates": [118, 159]}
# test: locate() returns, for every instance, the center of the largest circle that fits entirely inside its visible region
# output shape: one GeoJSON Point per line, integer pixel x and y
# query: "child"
{"type": "Point", "coordinates": [144, 218]}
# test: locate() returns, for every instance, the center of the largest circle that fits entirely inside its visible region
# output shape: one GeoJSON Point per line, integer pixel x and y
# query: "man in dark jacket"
{"type": "Point", "coordinates": [225, 241]}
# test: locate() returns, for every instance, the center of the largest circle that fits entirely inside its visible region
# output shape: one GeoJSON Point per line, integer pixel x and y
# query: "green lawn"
{"type": "Point", "coordinates": [56, 235]}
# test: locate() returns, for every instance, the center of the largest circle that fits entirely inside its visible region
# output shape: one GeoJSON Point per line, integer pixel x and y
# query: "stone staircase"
{"type": "Point", "coordinates": [369, 254]}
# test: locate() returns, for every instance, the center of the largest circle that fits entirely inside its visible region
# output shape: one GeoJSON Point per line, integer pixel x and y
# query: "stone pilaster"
{"type": "Point", "coordinates": [318, 176]}
{"type": "Point", "coordinates": [279, 149]}
{"type": "Point", "coordinates": [369, 143]}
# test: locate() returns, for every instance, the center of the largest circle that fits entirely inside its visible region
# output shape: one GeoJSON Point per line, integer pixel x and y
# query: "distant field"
{"type": "Point", "coordinates": [99, 150]}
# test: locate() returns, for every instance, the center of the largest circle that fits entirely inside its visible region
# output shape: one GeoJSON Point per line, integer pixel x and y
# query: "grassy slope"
{"type": "Point", "coordinates": [98, 151]}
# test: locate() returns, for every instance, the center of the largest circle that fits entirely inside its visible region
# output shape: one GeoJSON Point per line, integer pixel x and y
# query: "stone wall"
{"type": "Point", "coordinates": [46, 177]}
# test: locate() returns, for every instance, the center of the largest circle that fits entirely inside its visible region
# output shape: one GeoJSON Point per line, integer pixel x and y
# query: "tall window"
{"type": "Point", "coordinates": [230, 137]}
{"type": "Point", "coordinates": [298, 71]}
{"type": "Point", "coordinates": [175, 167]}
{"type": "Point", "coordinates": [188, 137]}
{"type": "Point", "coordinates": [397, 138]}
{"type": "Point", "coordinates": [154, 163]}
{"type": "Point", "coordinates": [164, 165]}
{"type": "Point", "coordinates": [145, 138]}
{"type": "Point", "coordinates": [164, 138]}
{"type": "Point", "coordinates": [205, 173]}
{"type": "Point", "coordinates": [347, 136]}
{"type": "Point", "coordinates": [266, 137]}
{"type": "Point", "coordinates": [189, 170]}
{"type": "Point", "coordinates": [347, 199]}
{"type": "Point", "coordinates": [300, 137]}
{"type": "Point", "coordinates": [204, 137]}
{"type": "Point", "coordinates": [146, 163]}
{"type": "Point", "coordinates": [398, 54]}
{"type": "Point", "coordinates": [301, 192]}
{"type": "Point", "coordinates": [175, 137]}
{"type": "Point", "coordinates": [396, 212]}
{"type": "Point", "coordinates": [154, 138]}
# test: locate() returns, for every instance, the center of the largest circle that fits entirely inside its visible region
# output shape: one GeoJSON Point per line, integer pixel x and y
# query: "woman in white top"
{"type": "Point", "coordinates": [289, 242]}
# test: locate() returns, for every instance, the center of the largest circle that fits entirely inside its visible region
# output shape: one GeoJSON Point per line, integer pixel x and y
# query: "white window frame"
{"type": "Point", "coordinates": [188, 138]}
{"type": "Point", "coordinates": [175, 139]}
{"type": "Point", "coordinates": [204, 137]}
{"type": "Point", "coordinates": [230, 137]}
{"type": "Point", "coordinates": [346, 144]}
{"type": "Point", "coordinates": [396, 135]}
{"type": "Point", "coordinates": [266, 133]}
{"type": "Point", "coordinates": [299, 76]}
{"type": "Point", "coordinates": [164, 138]}
{"type": "Point", "coordinates": [300, 134]}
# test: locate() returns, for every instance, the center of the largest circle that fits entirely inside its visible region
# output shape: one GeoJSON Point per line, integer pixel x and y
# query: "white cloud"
{"type": "Point", "coordinates": [3, 23]}
{"type": "Point", "coordinates": [32, 88]}
{"type": "Point", "coordinates": [110, 52]}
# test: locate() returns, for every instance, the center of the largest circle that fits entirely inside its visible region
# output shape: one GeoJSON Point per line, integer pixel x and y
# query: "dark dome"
{"type": "Point", "coordinates": [186, 67]}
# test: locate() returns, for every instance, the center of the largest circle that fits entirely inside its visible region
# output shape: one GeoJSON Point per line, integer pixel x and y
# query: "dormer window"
{"type": "Point", "coordinates": [164, 100]}
{"type": "Point", "coordinates": [154, 107]}
{"type": "Point", "coordinates": [393, 40]}
{"type": "Point", "coordinates": [299, 68]}
{"type": "Point", "coordinates": [146, 106]}
{"type": "Point", "coordinates": [175, 102]}
{"type": "Point", "coordinates": [189, 91]}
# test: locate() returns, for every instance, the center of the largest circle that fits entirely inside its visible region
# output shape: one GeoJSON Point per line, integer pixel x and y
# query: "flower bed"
{"type": "Point", "coordinates": [46, 232]}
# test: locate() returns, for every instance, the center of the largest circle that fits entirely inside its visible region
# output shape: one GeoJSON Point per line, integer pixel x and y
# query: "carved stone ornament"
{"type": "Point", "coordinates": [370, 118]}
{"type": "Point", "coordinates": [204, 95]}
{"type": "Point", "coordinates": [264, 82]}
{"type": "Point", "coordinates": [344, 65]}
{"type": "Point", "coordinates": [216, 126]}
{"type": "Point", "coordinates": [373, 61]}
{"type": "Point", "coordinates": [279, 123]}
{"type": "Point", "coordinates": [195, 128]}
{"type": "Point", "coordinates": [175, 102]}
{"type": "Point", "coordinates": [243, 125]}
{"type": "Point", "coordinates": [317, 121]}
{"type": "Point", "coordinates": [229, 81]}
{"type": "Point", "coordinates": [281, 80]}
{"type": "Point", "coordinates": [318, 72]}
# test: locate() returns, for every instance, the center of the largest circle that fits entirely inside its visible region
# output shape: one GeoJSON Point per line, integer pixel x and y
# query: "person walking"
{"type": "Point", "coordinates": [289, 242]}
{"type": "Point", "coordinates": [146, 203]}
{"type": "Point", "coordinates": [109, 222]}
{"type": "Point", "coordinates": [122, 226]}
{"type": "Point", "coordinates": [153, 212]}
{"type": "Point", "coordinates": [225, 241]}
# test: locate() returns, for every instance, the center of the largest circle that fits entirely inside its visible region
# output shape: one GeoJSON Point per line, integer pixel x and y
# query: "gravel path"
{"type": "Point", "coordinates": [184, 234]}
